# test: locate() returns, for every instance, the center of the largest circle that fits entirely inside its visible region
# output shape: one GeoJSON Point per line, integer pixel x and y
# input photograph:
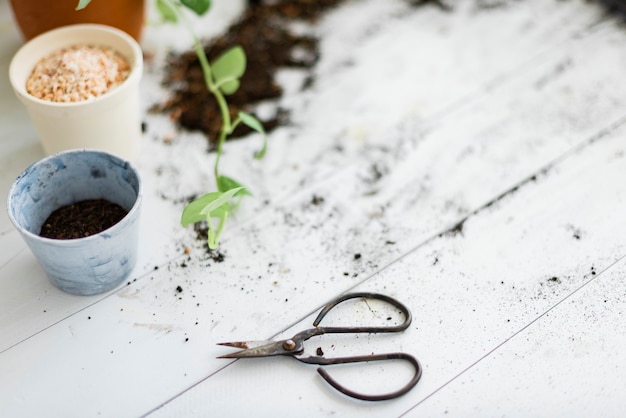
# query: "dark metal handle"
{"type": "Point", "coordinates": [357, 359]}
{"type": "Point", "coordinates": [366, 295]}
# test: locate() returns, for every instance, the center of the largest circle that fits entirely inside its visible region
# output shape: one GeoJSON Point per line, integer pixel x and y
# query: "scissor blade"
{"type": "Point", "coordinates": [246, 345]}
{"type": "Point", "coordinates": [253, 349]}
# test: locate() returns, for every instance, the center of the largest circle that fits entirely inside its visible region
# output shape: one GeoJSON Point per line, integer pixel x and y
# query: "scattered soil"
{"type": "Point", "coordinates": [262, 33]}
{"type": "Point", "coordinates": [202, 232]}
{"type": "Point", "coordinates": [82, 219]}
{"type": "Point", "coordinates": [615, 6]}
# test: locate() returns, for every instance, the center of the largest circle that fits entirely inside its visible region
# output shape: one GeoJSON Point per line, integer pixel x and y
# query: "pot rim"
{"type": "Point", "coordinates": [77, 241]}
{"type": "Point", "coordinates": [16, 76]}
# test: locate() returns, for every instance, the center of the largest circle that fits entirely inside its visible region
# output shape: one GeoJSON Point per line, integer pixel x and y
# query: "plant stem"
{"type": "Point", "coordinates": [221, 101]}
{"type": "Point", "coordinates": [227, 126]}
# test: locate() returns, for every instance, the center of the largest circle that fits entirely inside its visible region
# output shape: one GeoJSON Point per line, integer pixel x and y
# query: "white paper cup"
{"type": "Point", "coordinates": [110, 122]}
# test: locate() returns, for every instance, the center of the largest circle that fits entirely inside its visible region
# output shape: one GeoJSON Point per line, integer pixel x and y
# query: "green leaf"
{"type": "Point", "coordinates": [229, 87]}
{"type": "Point", "coordinates": [82, 4]}
{"type": "Point", "coordinates": [228, 68]}
{"type": "Point", "coordinates": [211, 206]}
{"type": "Point", "coordinates": [220, 203]}
{"type": "Point", "coordinates": [226, 183]}
{"type": "Point", "coordinates": [191, 213]}
{"type": "Point", "coordinates": [254, 124]}
{"type": "Point", "coordinates": [166, 11]}
{"type": "Point", "coordinates": [198, 6]}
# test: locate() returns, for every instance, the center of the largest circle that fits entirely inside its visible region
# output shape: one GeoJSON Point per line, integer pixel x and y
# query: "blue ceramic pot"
{"type": "Point", "coordinates": [83, 266]}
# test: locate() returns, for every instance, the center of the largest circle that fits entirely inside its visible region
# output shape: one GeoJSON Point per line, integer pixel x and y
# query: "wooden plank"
{"type": "Point", "coordinates": [489, 295]}
{"type": "Point", "coordinates": [293, 254]}
{"type": "Point", "coordinates": [569, 362]}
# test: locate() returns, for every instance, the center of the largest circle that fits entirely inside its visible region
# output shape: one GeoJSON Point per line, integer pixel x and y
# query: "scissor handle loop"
{"type": "Point", "coordinates": [367, 295]}
{"type": "Point", "coordinates": [357, 359]}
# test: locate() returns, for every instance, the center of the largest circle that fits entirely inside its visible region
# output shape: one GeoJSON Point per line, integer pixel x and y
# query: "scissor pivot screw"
{"type": "Point", "coordinates": [289, 345]}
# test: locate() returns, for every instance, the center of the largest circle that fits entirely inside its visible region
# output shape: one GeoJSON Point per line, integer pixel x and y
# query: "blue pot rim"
{"type": "Point", "coordinates": [77, 241]}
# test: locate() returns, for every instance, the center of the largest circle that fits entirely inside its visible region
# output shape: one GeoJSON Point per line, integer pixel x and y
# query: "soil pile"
{"type": "Point", "coordinates": [262, 33]}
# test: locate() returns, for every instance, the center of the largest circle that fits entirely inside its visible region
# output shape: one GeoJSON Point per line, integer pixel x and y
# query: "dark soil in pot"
{"type": "Point", "coordinates": [82, 219]}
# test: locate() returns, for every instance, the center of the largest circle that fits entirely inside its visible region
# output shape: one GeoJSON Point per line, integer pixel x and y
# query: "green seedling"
{"type": "Point", "coordinates": [222, 78]}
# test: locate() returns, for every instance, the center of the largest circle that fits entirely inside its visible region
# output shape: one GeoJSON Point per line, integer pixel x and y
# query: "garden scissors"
{"type": "Point", "coordinates": [294, 347]}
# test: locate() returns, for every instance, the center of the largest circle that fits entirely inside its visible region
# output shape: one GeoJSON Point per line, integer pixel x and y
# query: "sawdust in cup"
{"type": "Point", "coordinates": [83, 89]}
{"type": "Point", "coordinates": [79, 72]}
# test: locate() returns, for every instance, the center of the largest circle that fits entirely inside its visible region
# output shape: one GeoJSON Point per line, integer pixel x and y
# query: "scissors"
{"type": "Point", "coordinates": [294, 347]}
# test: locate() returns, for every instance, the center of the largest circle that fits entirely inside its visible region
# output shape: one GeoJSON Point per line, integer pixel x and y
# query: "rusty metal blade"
{"type": "Point", "coordinates": [254, 349]}
{"type": "Point", "coordinates": [246, 345]}
{"type": "Point", "coordinates": [236, 344]}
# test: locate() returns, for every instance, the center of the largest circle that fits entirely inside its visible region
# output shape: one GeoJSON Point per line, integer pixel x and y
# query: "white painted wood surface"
{"type": "Point", "coordinates": [474, 159]}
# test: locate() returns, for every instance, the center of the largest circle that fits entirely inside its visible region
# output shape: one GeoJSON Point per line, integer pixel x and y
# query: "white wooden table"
{"type": "Point", "coordinates": [475, 160]}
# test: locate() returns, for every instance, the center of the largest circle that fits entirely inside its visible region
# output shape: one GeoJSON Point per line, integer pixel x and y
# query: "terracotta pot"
{"type": "Point", "coordinates": [37, 16]}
